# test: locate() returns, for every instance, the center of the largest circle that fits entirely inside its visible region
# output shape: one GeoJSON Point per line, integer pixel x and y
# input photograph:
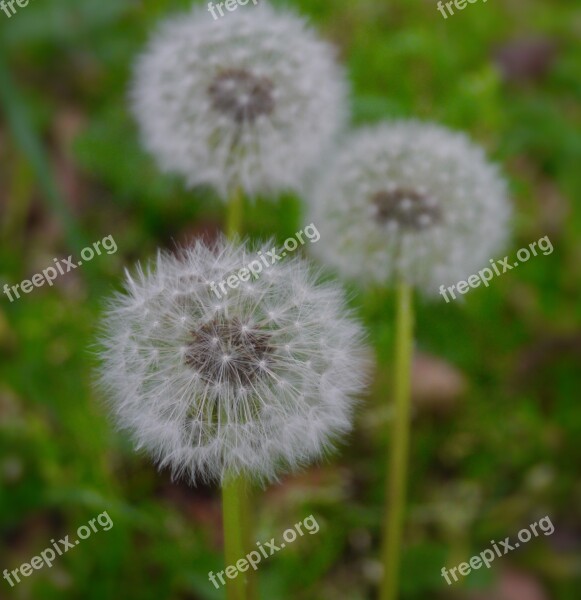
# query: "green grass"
{"type": "Point", "coordinates": [507, 454]}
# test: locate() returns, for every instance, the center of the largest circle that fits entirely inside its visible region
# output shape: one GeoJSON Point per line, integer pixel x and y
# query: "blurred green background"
{"type": "Point", "coordinates": [497, 378]}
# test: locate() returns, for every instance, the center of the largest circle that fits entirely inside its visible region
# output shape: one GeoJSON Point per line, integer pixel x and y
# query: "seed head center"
{"type": "Point", "coordinates": [223, 351]}
{"type": "Point", "coordinates": [242, 95]}
{"type": "Point", "coordinates": [408, 208]}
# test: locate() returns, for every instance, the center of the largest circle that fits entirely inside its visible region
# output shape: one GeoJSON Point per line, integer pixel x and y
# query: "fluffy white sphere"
{"type": "Point", "coordinates": [250, 100]}
{"type": "Point", "coordinates": [260, 380]}
{"type": "Point", "coordinates": [410, 200]}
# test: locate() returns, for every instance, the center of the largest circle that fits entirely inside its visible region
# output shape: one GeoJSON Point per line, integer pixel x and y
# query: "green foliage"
{"type": "Point", "coordinates": [512, 440]}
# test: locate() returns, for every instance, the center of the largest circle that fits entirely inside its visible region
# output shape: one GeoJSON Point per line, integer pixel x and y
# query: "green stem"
{"type": "Point", "coordinates": [234, 503]}
{"type": "Point", "coordinates": [247, 508]}
{"type": "Point", "coordinates": [398, 460]}
{"type": "Point", "coordinates": [236, 491]}
{"type": "Point", "coordinates": [234, 216]}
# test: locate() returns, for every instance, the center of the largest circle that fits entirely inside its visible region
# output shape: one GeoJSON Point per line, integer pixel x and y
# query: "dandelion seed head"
{"type": "Point", "coordinates": [410, 200]}
{"type": "Point", "coordinates": [250, 101]}
{"type": "Point", "coordinates": [235, 390]}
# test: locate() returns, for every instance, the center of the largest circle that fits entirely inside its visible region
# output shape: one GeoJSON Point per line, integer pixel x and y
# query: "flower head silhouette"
{"type": "Point", "coordinates": [249, 101]}
{"type": "Point", "coordinates": [260, 380]}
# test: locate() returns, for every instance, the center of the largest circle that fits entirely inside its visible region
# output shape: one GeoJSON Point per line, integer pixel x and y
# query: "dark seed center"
{"type": "Point", "coordinates": [227, 351]}
{"type": "Point", "coordinates": [242, 95]}
{"type": "Point", "coordinates": [406, 207]}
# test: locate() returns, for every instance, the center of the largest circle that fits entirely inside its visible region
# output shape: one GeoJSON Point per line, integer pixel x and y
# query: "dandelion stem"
{"type": "Point", "coordinates": [247, 509]}
{"type": "Point", "coordinates": [398, 459]}
{"type": "Point", "coordinates": [234, 505]}
{"type": "Point", "coordinates": [237, 505]}
{"type": "Point", "coordinates": [235, 213]}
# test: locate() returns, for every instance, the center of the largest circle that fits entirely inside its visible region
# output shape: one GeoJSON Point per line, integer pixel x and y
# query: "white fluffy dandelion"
{"type": "Point", "coordinates": [410, 201]}
{"type": "Point", "coordinates": [248, 101]}
{"type": "Point", "coordinates": [260, 380]}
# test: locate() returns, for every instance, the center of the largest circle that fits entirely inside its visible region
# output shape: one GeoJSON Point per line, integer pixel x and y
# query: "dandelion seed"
{"type": "Point", "coordinates": [249, 102]}
{"type": "Point", "coordinates": [437, 209]}
{"type": "Point", "coordinates": [414, 205]}
{"type": "Point", "coordinates": [234, 391]}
